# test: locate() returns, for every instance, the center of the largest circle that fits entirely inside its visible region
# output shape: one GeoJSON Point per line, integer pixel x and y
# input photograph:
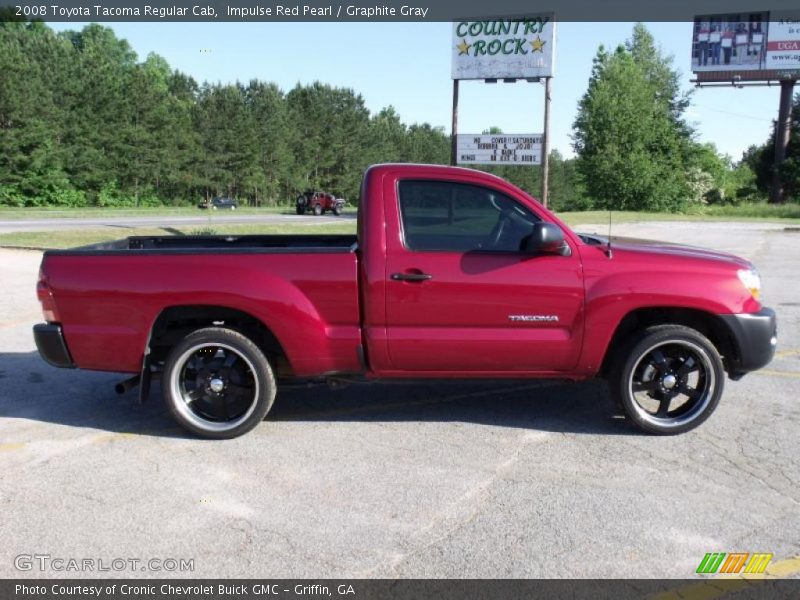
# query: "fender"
{"type": "Point", "coordinates": [314, 318]}
{"type": "Point", "coordinates": [610, 298]}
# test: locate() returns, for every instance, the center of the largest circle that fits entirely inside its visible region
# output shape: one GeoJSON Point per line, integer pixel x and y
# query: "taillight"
{"type": "Point", "coordinates": [45, 295]}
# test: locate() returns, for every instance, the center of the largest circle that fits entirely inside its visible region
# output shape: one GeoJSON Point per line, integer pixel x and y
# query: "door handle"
{"type": "Point", "coordinates": [411, 276]}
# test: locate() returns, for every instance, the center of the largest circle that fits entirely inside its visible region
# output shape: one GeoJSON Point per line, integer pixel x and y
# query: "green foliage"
{"type": "Point", "coordinates": [761, 159]}
{"type": "Point", "coordinates": [84, 122]}
{"type": "Point", "coordinates": [11, 196]}
{"type": "Point", "coordinates": [631, 142]}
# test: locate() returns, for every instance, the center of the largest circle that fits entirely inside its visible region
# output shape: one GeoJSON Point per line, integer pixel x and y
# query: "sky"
{"type": "Point", "coordinates": [407, 65]}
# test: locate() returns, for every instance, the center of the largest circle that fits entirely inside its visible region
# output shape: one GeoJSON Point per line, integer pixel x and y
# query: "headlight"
{"type": "Point", "coordinates": [751, 281]}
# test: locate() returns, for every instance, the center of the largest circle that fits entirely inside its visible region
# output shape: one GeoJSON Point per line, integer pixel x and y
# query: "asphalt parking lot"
{"type": "Point", "coordinates": [454, 480]}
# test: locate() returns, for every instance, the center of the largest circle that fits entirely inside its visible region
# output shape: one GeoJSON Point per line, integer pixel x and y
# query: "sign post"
{"type": "Point", "coordinates": [783, 131]}
{"type": "Point", "coordinates": [546, 144]}
{"type": "Point", "coordinates": [508, 50]}
{"type": "Point", "coordinates": [453, 140]}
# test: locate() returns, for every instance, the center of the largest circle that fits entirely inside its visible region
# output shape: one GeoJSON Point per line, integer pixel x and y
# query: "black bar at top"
{"type": "Point", "coordinates": [387, 10]}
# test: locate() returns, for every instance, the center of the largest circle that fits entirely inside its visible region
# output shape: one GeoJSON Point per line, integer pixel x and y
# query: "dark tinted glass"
{"type": "Point", "coordinates": [458, 217]}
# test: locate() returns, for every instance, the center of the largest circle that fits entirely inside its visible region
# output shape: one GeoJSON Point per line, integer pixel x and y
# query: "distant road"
{"type": "Point", "coordinates": [120, 222]}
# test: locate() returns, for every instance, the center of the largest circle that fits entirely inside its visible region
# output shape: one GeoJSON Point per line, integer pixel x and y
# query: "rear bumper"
{"type": "Point", "coordinates": [755, 336]}
{"type": "Point", "coordinates": [51, 345]}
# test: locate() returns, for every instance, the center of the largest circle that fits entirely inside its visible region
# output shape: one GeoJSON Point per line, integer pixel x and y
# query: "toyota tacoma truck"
{"type": "Point", "coordinates": [453, 274]}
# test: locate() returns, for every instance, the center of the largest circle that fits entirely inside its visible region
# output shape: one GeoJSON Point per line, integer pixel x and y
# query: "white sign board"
{"type": "Point", "coordinates": [499, 149]}
{"type": "Point", "coordinates": [783, 42]}
{"type": "Point", "coordinates": [504, 48]}
{"type": "Point", "coordinates": [752, 42]}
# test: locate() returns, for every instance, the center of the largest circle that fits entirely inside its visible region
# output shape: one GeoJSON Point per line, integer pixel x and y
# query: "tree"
{"type": "Point", "coordinates": [762, 159]}
{"type": "Point", "coordinates": [83, 120]}
{"type": "Point", "coordinates": [631, 143]}
{"type": "Point", "coordinates": [330, 135]}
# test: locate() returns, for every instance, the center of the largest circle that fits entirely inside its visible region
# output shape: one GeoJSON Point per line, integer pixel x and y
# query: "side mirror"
{"type": "Point", "coordinates": [546, 238]}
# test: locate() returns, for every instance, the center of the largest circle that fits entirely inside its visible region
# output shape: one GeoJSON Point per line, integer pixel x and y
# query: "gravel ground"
{"type": "Point", "coordinates": [451, 480]}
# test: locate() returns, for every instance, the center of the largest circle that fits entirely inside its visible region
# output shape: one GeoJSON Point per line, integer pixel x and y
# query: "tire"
{"type": "Point", "coordinates": [668, 379]}
{"type": "Point", "coordinates": [230, 382]}
{"type": "Point", "coordinates": [300, 210]}
{"type": "Point", "coordinates": [233, 207]}
{"type": "Point", "coordinates": [318, 210]}
{"type": "Point", "coordinates": [337, 210]}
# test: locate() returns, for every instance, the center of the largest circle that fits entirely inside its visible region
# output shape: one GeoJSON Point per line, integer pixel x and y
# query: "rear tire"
{"type": "Point", "coordinates": [337, 210]}
{"type": "Point", "coordinates": [668, 379]}
{"type": "Point", "coordinates": [217, 383]}
{"type": "Point", "coordinates": [300, 210]}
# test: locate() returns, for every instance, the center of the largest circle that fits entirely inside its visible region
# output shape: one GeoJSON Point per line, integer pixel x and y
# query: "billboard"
{"type": "Point", "coordinates": [504, 48]}
{"type": "Point", "coordinates": [783, 42]}
{"type": "Point", "coordinates": [750, 46]}
{"type": "Point", "coordinates": [499, 149]}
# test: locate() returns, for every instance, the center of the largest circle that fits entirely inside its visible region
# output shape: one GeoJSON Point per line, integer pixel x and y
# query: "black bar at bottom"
{"type": "Point", "coordinates": [398, 589]}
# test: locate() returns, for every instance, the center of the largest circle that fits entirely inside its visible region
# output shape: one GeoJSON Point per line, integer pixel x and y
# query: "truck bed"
{"type": "Point", "coordinates": [303, 288]}
{"type": "Point", "coordinates": [201, 244]}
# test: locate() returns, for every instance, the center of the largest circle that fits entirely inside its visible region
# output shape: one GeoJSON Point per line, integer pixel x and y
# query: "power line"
{"type": "Point", "coordinates": [733, 114]}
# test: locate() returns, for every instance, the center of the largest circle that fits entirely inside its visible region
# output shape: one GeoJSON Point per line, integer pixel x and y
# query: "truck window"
{"type": "Point", "coordinates": [459, 217]}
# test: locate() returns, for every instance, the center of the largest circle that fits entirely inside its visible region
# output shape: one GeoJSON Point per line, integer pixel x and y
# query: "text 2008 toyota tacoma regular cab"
{"type": "Point", "coordinates": [454, 273]}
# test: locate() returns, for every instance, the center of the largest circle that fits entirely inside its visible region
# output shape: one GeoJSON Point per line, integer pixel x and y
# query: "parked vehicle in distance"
{"type": "Point", "coordinates": [318, 203]}
{"type": "Point", "coordinates": [219, 204]}
{"type": "Point", "coordinates": [453, 273]}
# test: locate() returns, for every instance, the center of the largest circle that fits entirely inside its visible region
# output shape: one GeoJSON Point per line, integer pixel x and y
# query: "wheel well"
{"type": "Point", "coordinates": [706, 323]}
{"type": "Point", "coordinates": [175, 323]}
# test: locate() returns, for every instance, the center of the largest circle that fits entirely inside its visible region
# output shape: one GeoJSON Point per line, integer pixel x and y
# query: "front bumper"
{"type": "Point", "coordinates": [51, 345]}
{"type": "Point", "coordinates": [755, 336]}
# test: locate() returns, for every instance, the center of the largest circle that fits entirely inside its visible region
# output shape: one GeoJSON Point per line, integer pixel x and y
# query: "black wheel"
{"type": "Point", "coordinates": [668, 380]}
{"type": "Point", "coordinates": [337, 210]}
{"type": "Point", "coordinates": [217, 383]}
{"type": "Point", "coordinates": [317, 210]}
{"type": "Point", "coordinates": [301, 210]}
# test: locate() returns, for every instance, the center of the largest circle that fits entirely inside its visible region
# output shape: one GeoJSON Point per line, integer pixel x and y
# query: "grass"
{"type": "Point", "coordinates": [786, 213]}
{"type": "Point", "coordinates": [53, 212]}
{"type": "Point", "coordinates": [43, 240]}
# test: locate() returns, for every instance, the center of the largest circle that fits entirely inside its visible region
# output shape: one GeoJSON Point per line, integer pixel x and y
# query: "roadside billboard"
{"type": "Point", "coordinates": [499, 149]}
{"type": "Point", "coordinates": [748, 46]}
{"type": "Point", "coordinates": [504, 48]}
{"type": "Point", "coordinates": [783, 42]}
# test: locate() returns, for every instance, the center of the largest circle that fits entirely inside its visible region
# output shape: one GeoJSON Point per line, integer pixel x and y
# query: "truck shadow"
{"type": "Point", "coordinates": [32, 390]}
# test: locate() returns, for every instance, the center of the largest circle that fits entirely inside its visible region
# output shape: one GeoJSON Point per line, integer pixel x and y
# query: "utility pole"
{"type": "Point", "coordinates": [454, 138]}
{"type": "Point", "coordinates": [783, 129]}
{"type": "Point", "coordinates": [546, 143]}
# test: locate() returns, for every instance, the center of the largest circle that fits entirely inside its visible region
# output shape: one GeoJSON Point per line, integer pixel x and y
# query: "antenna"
{"type": "Point", "coordinates": [609, 252]}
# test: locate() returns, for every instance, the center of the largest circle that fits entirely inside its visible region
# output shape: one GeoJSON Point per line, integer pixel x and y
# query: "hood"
{"type": "Point", "coordinates": [627, 244]}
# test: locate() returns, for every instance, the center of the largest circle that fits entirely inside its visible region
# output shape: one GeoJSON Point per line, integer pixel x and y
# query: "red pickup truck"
{"type": "Point", "coordinates": [453, 274]}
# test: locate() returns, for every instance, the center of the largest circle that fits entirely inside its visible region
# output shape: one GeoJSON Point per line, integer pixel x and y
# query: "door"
{"type": "Point", "coordinates": [461, 296]}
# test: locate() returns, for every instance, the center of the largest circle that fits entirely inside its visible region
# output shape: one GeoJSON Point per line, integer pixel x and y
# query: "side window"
{"type": "Point", "coordinates": [458, 217]}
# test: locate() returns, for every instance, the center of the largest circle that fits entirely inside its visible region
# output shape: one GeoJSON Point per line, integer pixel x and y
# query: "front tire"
{"type": "Point", "coordinates": [217, 383]}
{"type": "Point", "coordinates": [337, 210]}
{"type": "Point", "coordinates": [317, 210]}
{"type": "Point", "coordinates": [668, 379]}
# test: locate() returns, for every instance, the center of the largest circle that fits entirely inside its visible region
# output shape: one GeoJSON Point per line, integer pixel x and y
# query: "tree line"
{"type": "Point", "coordinates": [84, 122]}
